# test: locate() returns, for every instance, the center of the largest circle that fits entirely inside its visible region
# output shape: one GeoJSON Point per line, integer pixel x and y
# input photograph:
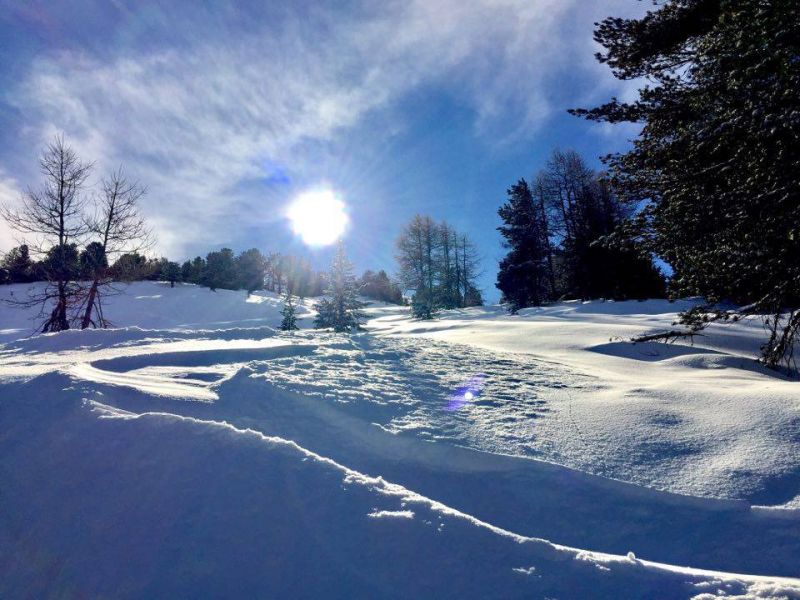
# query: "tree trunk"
{"type": "Point", "coordinates": [87, 315]}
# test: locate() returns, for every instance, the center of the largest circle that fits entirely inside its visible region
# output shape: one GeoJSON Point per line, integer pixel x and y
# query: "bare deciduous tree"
{"type": "Point", "coordinates": [53, 214]}
{"type": "Point", "coordinates": [119, 229]}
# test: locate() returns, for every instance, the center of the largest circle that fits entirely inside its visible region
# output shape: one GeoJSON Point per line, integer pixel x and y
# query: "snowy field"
{"type": "Point", "coordinates": [195, 451]}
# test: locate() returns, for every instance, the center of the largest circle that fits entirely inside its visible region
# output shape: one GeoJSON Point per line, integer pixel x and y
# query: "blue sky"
{"type": "Point", "coordinates": [228, 110]}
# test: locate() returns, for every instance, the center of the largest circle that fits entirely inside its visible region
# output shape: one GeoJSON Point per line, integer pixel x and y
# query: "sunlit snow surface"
{"type": "Point", "coordinates": [483, 415]}
{"type": "Point", "coordinates": [420, 387]}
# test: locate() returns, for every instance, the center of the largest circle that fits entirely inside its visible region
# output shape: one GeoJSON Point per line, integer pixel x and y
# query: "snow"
{"type": "Point", "coordinates": [195, 451]}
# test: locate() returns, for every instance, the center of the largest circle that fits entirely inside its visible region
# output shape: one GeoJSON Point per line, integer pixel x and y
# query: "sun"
{"type": "Point", "coordinates": [318, 217]}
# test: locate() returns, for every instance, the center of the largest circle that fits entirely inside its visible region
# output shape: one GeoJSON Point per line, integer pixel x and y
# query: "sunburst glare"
{"type": "Point", "coordinates": [319, 217]}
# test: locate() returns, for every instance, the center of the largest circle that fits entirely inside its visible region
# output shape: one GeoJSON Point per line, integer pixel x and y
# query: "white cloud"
{"type": "Point", "coordinates": [194, 122]}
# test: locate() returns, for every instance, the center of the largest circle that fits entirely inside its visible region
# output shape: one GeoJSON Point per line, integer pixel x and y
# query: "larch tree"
{"type": "Point", "coordinates": [439, 265]}
{"type": "Point", "coordinates": [415, 257]}
{"type": "Point", "coordinates": [119, 229]}
{"type": "Point", "coordinates": [54, 215]}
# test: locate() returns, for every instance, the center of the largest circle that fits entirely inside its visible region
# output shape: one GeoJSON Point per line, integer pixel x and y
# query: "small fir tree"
{"type": "Point", "coordinates": [341, 308]}
{"type": "Point", "coordinates": [289, 310]}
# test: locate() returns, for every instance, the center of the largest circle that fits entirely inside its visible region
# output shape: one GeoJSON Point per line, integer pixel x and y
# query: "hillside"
{"type": "Point", "coordinates": [195, 451]}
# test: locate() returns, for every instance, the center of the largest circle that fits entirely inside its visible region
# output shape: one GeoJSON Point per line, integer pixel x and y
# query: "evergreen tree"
{"type": "Point", "coordinates": [473, 297]}
{"type": "Point", "coordinates": [171, 271]}
{"type": "Point", "coordinates": [379, 287]}
{"type": "Point", "coordinates": [524, 277]}
{"type": "Point", "coordinates": [131, 266]}
{"type": "Point", "coordinates": [289, 322]}
{"type": "Point", "coordinates": [341, 308]}
{"type": "Point", "coordinates": [93, 261]}
{"type": "Point", "coordinates": [251, 267]}
{"type": "Point", "coordinates": [62, 263]}
{"type": "Point", "coordinates": [187, 274]}
{"type": "Point", "coordinates": [716, 159]}
{"type": "Point", "coordinates": [195, 270]}
{"type": "Point", "coordinates": [18, 264]}
{"type": "Point", "coordinates": [220, 271]}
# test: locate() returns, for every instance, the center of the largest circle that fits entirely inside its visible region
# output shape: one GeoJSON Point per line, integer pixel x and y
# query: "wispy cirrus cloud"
{"type": "Point", "coordinates": [196, 121]}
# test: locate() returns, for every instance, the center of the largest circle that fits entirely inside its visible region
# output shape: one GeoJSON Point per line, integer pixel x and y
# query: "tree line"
{"type": "Point", "coordinates": [87, 243]}
{"type": "Point", "coordinates": [556, 229]}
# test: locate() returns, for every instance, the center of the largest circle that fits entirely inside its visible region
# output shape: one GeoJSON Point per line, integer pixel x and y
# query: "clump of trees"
{"type": "Point", "coordinates": [340, 309]}
{"type": "Point", "coordinates": [716, 162]}
{"type": "Point", "coordinates": [439, 265]}
{"type": "Point", "coordinates": [556, 232]}
{"type": "Point", "coordinates": [56, 215]}
{"type": "Point", "coordinates": [378, 286]}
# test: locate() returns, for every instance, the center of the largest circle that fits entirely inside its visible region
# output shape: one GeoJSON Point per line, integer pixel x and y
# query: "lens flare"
{"type": "Point", "coordinates": [318, 217]}
{"type": "Point", "coordinates": [467, 392]}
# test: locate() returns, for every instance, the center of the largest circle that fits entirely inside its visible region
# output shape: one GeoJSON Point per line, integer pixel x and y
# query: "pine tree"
{"type": "Point", "coordinates": [220, 271]}
{"type": "Point", "coordinates": [289, 322]}
{"type": "Point", "coordinates": [17, 262]}
{"type": "Point", "coordinates": [251, 267]}
{"type": "Point", "coordinates": [341, 309]}
{"type": "Point", "coordinates": [170, 271]}
{"type": "Point", "coordinates": [717, 156]}
{"type": "Point", "coordinates": [523, 277]}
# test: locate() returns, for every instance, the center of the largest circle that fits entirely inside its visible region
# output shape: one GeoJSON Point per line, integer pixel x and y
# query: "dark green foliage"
{"type": "Point", "coordinates": [220, 271]}
{"type": "Point", "coordinates": [18, 265]}
{"type": "Point", "coordinates": [423, 305]}
{"type": "Point", "coordinates": [295, 273]}
{"type": "Point", "coordinates": [130, 267]}
{"type": "Point", "coordinates": [171, 271]}
{"type": "Point", "coordinates": [93, 261]}
{"type": "Point", "coordinates": [251, 268]}
{"type": "Point", "coordinates": [62, 263]}
{"type": "Point", "coordinates": [192, 271]}
{"type": "Point", "coordinates": [524, 276]}
{"type": "Point", "coordinates": [378, 286]}
{"type": "Point", "coordinates": [718, 154]}
{"type": "Point", "coordinates": [557, 234]}
{"type": "Point", "coordinates": [592, 267]}
{"type": "Point", "coordinates": [473, 296]}
{"type": "Point", "coordinates": [288, 312]}
{"type": "Point", "coordinates": [341, 308]}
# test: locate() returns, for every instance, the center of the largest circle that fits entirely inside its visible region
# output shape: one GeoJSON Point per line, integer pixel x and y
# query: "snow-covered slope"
{"type": "Point", "coordinates": [155, 305]}
{"type": "Point", "coordinates": [197, 452]}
